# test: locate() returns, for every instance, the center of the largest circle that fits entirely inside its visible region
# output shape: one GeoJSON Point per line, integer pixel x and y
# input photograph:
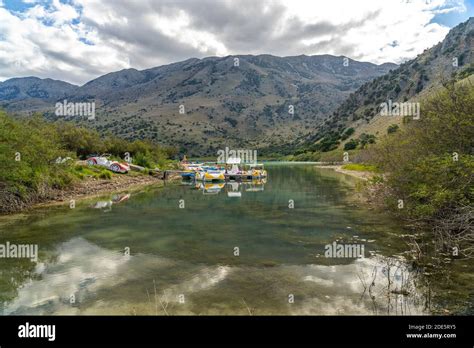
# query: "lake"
{"type": "Point", "coordinates": [256, 248]}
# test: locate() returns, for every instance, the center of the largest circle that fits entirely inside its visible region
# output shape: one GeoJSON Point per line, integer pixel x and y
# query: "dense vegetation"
{"type": "Point", "coordinates": [430, 163]}
{"type": "Point", "coordinates": [38, 156]}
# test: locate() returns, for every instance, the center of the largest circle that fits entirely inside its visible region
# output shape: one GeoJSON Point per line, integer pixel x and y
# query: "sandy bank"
{"type": "Point", "coordinates": [355, 173]}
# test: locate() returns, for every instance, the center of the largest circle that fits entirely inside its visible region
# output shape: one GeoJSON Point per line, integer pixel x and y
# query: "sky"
{"type": "Point", "coordinates": [79, 40]}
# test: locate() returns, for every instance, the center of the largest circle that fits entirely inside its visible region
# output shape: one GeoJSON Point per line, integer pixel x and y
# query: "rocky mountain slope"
{"type": "Point", "coordinates": [451, 59]}
{"type": "Point", "coordinates": [205, 104]}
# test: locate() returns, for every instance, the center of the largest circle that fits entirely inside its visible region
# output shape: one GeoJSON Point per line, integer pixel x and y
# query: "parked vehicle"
{"type": "Point", "coordinates": [103, 161]}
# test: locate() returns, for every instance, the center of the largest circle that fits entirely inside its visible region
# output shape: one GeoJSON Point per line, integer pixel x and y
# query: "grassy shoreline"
{"type": "Point", "coordinates": [94, 187]}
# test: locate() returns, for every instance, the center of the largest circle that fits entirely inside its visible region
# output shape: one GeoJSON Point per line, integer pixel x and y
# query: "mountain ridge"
{"type": "Point", "coordinates": [241, 100]}
{"type": "Point", "coordinates": [450, 59]}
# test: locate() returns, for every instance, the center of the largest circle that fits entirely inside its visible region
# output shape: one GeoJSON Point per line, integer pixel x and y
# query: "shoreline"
{"type": "Point", "coordinates": [359, 195]}
{"type": "Point", "coordinates": [363, 175]}
{"type": "Point", "coordinates": [92, 187]}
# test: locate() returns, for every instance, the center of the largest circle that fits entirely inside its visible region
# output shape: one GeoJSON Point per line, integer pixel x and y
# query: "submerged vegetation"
{"type": "Point", "coordinates": [37, 157]}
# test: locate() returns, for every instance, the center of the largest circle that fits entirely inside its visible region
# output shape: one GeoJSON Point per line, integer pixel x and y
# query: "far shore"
{"type": "Point", "coordinates": [363, 175]}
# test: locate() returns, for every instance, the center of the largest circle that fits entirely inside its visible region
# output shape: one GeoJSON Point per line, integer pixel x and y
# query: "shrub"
{"type": "Point", "coordinates": [365, 139]}
{"type": "Point", "coordinates": [351, 144]}
{"type": "Point", "coordinates": [347, 133]}
{"type": "Point", "coordinates": [392, 128]}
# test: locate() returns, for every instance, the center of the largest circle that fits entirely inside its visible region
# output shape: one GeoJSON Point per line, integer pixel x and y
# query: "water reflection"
{"type": "Point", "coordinates": [232, 188]}
{"type": "Point", "coordinates": [209, 188]}
{"type": "Point", "coordinates": [182, 262]}
{"type": "Point", "coordinates": [103, 281]}
{"type": "Point", "coordinates": [106, 205]}
{"type": "Point", "coordinates": [79, 270]}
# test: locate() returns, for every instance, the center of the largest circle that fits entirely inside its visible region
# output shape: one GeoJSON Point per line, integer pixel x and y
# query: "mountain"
{"type": "Point", "coordinates": [239, 101]}
{"type": "Point", "coordinates": [450, 59]}
{"type": "Point", "coordinates": [34, 88]}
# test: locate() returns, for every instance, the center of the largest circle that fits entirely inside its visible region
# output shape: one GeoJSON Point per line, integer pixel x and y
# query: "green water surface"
{"type": "Point", "coordinates": [222, 249]}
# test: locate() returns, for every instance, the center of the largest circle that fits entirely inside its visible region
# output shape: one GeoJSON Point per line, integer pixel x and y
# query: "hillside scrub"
{"type": "Point", "coordinates": [429, 163]}
{"type": "Point", "coordinates": [38, 157]}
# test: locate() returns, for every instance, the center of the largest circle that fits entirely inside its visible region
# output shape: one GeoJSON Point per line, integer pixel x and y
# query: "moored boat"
{"type": "Point", "coordinates": [250, 172]}
{"type": "Point", "coordinates": [190, 169]}
{"type": "Point", "coordinates": [210, 174]}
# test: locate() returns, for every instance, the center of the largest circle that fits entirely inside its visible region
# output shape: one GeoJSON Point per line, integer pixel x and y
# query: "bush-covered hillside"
{"type": "Point", "coordinates": [429, 163]}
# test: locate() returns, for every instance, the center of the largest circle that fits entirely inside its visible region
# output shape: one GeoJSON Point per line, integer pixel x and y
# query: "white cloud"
{"type": "Point", "coordinates": [178, 28]}
{"type": "Point", "coordinates": [83, 39]}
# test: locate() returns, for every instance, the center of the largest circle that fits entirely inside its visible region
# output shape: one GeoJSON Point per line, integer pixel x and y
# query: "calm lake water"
{"type": "Point", "coordinates": [224, 249]}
